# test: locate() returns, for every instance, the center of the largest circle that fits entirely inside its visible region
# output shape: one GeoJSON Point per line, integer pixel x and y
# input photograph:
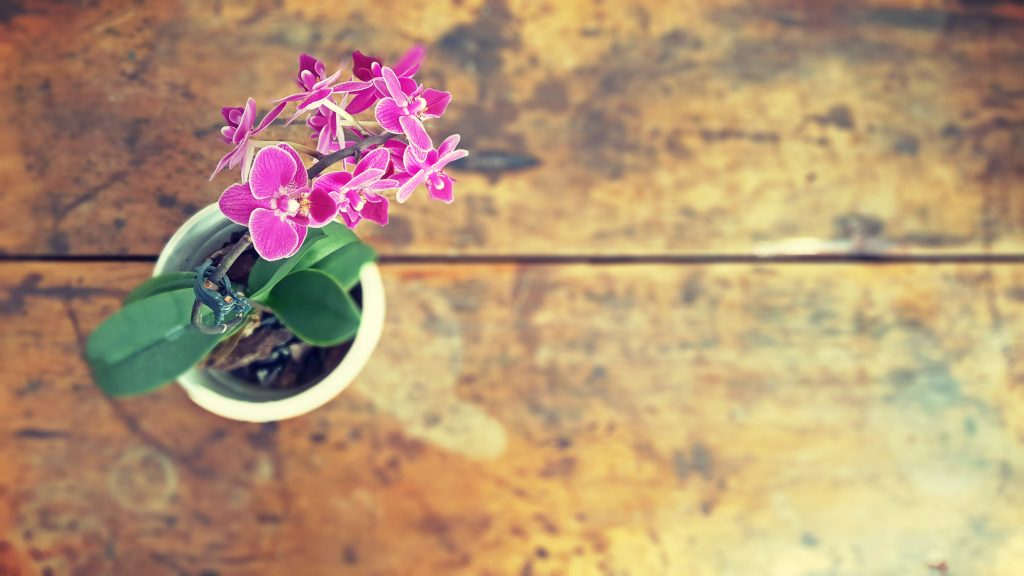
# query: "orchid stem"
{"type": "Point", "coordinates": [349, 152]}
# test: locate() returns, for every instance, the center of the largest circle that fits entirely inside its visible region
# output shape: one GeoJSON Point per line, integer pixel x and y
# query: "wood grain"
{"type": "Point", "coordinates": [642, 127]}
{"type": "Point", "coordinates": [633, 419]}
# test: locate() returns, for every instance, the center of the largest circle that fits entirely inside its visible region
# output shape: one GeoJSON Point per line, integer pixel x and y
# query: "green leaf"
{"type": "Point", "coordinates": [147, 344]}
{"type": "Point", "coordinates": [265, 275]}
{"type": "Point", "coordinates": [339, 231]}
{"type": "Point", "coordinates": [315, 307]}
{"type": "Point", "coordinates": [344, 265]}
{"type": "Point", "coordinates": [161, 283]}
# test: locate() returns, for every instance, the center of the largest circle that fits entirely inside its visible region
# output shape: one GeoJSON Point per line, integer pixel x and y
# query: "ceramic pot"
{"type": "Point", "coordinates": [231, 398]}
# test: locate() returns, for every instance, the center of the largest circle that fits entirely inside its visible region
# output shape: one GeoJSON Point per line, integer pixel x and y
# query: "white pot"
{"type": "Point", "coordinates": [202, 234]}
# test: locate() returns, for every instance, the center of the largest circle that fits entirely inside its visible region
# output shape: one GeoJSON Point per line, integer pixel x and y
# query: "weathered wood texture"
{"type": "Point", "coordinates": [658, 127]}
{"type": "Point", "coordinates": [639, 420]}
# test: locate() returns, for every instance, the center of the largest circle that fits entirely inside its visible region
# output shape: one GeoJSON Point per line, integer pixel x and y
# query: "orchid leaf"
{"type": "Point", "coordinates": [147, 344]}
{"type": "Point", "coordinates": [345, 264]}
{"type": "Point", "coordinates": [161, 283]}
{"type": "Point", "coordinates": [319, 244]}
{"type": "Point", "coordinates": [315, 307]}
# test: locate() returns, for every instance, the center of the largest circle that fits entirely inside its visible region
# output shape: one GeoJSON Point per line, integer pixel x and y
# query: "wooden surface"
{"type": "Point", "coordinates": [656, 127]}
{"type": "Point", "coordinates": [537, 410]}
{"type": "Point", "coordinates": [727, 419]}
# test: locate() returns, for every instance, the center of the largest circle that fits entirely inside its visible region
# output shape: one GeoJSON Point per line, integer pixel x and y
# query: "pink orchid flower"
{"type": "Point", "coordinates": [324, 124]}
{"type": "Point", "coordinates": [367, 68]}
{"type": "Point", "coordinates": [316, 88]}
{"type": "Point", "coordinates": [403, 112]}
{"type": "Point", "coordinates": [356, 192]}
{"type": "Point", "coordinates": [427, 167]}
{"type": "Point", "coordinates": [238, 131]}
{"type": "Point", "coordinates": [277, 204]}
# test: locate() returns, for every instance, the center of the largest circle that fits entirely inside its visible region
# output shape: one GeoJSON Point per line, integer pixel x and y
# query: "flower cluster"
{"type": "Point", "coordinates": [278, 198]}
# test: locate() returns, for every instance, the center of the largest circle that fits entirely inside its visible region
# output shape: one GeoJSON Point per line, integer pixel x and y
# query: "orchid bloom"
{"type": "Point", "coordinates": [356, 192]}
{"type": "Point", "coordinates": [403, 112]}
{"type": "Point", "coordinates": [324, 124]}
{"type": "Point", "coordinates": [427, 167]}
{"type": "Point", "coordinates": [277, 204]}
{"type": "Point", "coordinates": [239, 128]}
{"type": "Point", "coordinates": [367, 68]}
{"type": "Point", "coordinates": [316, 89]}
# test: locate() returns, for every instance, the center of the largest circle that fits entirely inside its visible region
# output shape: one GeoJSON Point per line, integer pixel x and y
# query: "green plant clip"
{"type": "Point", "coordinates": [218, 296]}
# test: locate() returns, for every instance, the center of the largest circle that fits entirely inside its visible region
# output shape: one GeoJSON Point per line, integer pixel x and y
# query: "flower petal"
{"type": "Point", "coordinates": [270, 117]}
{"type": "Point", "coordinates": [407, 189]}
{"type": "Point", "coordinates": [437, 101]}
{"type": "Point", "coordinates": [440, 188]}
{"type": "Point", "coordinates": [332, 182]}
{"type": "Point", "coordinates": [417, 134]}
{"type": "Point", "coordinates": [362, 100]}
{"type": "Point", "coordinates": [376, 211]}
{"type": "Point", "coordinates": [223, 163]}
{"type": "Point", "coordinates": [379, 185]}
{"type": "Point", "coordinates": [410, 62]}
{"type": "Point", "coordinates": [365, 177]}
{"type": "Point", "coordinates": [413, 158]}
{"type": "Point", "coordinates": [387, 114]}
{"type": "Point", "coordinates": [273, 237]}
{"type": "Point", "coordinates": [392, 84]}
{"type": "Point", "coordinates": [449, 158]}
{"type": "Point", "coordinates": [248, 115]}
{"type": "Point", "coordinates": [300, 179]}
{"type": "Point", "coordinates": [237, 203]}
{"type": "Point", "coordinates": [352, 86]}
{"type": "Point", "coordinates": [377, 159]}
{"type": "Point", "coordinates": [449, 144]}
{"type": "Point", "coordinates": [322, 208]}
{"type": "Point", "coordinates": [272, 169]}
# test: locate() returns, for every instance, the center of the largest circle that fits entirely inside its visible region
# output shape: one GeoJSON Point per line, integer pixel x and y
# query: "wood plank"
{"type": "Point", "coordinates": [658, 127]}
{"type": "Point", "coordinates": [727, 419]}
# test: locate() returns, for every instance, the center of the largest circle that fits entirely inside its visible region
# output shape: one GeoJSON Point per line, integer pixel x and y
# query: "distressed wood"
{"type": "Point", "coordinates": [656, 127]}
{"type": "Point", "coordinates": [644, 420]}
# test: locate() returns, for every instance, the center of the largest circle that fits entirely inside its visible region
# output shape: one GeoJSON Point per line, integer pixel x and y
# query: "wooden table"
{"type": "Point", "coordinates": [612, 355]}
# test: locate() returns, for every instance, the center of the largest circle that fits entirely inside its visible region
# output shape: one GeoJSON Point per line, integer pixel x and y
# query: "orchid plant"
{"type": "Point", "coordinates": [299, 204]}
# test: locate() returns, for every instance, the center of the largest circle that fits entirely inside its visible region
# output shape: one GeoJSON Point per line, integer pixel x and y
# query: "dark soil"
{"type": "Point", "coordinates": [268, 355]}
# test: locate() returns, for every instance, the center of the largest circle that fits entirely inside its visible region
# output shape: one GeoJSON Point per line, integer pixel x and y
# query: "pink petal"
{"type": "Point", "coordinates": [222, 164]}
{"type": "Point", "coordinates": [332, 182]}
{"type": "Point", "coordinates": [440, 188]}
{"type": "Point", "coordinates": [406, 190]}
{"type": "Point", "coordinates": [437, 101]}
{"type": "Point", "coordinates": [314, 99]}
{"type": "Point", "coordinates": [352, 86]}
{"type": "Point", "coordinates": [376, 211]}
{"type": "Point", "coordinates": [249, 115]}
{"type": "Point", "coordinates": [449, 144]}
{"type": "Point", "coordinates": [413, 158]}
{"type": "Point", "coordinates": [410, 62]}
{"type": "Point", "coordinates": [322, 208]}
{"type": "Point", "coordinates": [387, 115]}
{"type": "Point", "coordinates": [325, 140]}
{"type": "Point", "coordinates": [272, 169]}
{"type": "Point", "coordinates": [365, 177]}
{"type": "Point", "coordinates": [273, 237]}
{"type": "Point", "coordinates": [362, 101]}
{"type": "Point", "coordinates": [417, 134]}
{"type": "Point", "coordinates": [449, 158]}
{"type": "Point", "coordinates": [377, 159]}
{"type": "Point", "coordinates": [394, 87]}
{"type": "Point", "coordinates": [238, 203]}
{"type": "Point", "coordinates": [300, 179]}
{"type": "Point", "coordinates": [351, 218]}
{"type": "Point", "coordinates": [270, 117]}
{"type": "Point", "coordinates": [379, 185]}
